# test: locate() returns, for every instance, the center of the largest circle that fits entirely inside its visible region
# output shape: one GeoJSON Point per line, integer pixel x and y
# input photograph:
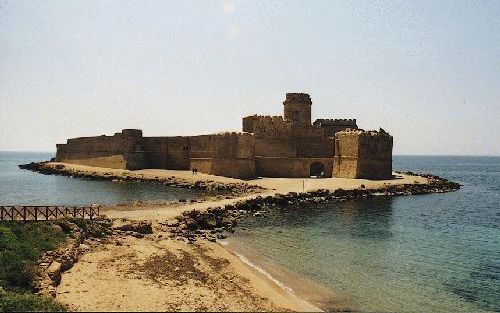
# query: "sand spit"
{"type": "Point", "coordinates": [183, 179]}
{"type": "Point", "coordinates": [180, 265]}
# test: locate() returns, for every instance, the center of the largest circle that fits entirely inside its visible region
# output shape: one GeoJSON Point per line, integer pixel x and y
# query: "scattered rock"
{"type": "Point", "coordinates": [142, 227]}
{"type": "Point", "coordinates": [54, 272]}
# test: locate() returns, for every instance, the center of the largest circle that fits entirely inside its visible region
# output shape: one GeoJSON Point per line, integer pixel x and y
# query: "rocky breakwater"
{"type": "Point", "coordinates": [211, 224]}
{"type": "Point", "coordinates": [83, 237]}
{"type": "Point", "coordinates": [233, 189]}
{"type": "Point", "coordinates": [214, 223]}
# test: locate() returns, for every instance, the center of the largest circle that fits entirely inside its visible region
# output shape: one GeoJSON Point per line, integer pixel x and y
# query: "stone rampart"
{"type": "Point", "coordinates": [293, 167]}
{"type": "Point", "coordinates": [272, 127]}
{"type": "Point", "coordinates": [228, 154]}
{"type": "Point", "coordinates": [332, 126]}
{"type": "Point", "coordinates": [363, 154]}
{"type": "Point", "coordinates": [122, 150]}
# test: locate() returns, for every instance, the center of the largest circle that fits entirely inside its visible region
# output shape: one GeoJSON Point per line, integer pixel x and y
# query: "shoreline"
{"type": "Point", "coordinates": [310, 307]}
{"type": "Point", "coordinates": [203, 223]}
{"type": "Point", "coordinates": [313, 294]}
{"type": "Point", "coordinates": [199, 181]}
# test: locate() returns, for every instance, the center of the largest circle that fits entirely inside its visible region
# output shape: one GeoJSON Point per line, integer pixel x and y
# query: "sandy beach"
{"type": "Point", "coordinates": [158, 273]}
{"type": "Point", "coordinates": [169, 275]}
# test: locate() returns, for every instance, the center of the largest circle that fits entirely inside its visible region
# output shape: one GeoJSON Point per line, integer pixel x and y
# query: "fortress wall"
{"type": "Point", "coordinates": [274, 147]}
{"type": "Point", "coordinates": [203, 165]}
{"type": "Point", "coordinates": [302, 131]}
{"type": "Point", "coordinates": [332, 126]}
{"type": "Point", "coordinates": [174, 152]}
{"type": "Point", "coordinates": [178, 153]}
{"type": "Point", "coordinates": [322, 147]}
{"type": "Point", "coordinates": [233, 145]}
{"type": "Point", "coordinates": [101, 151]}
{"type": "Point", "coordinates": [108, 161]}
{"type": "Point", "coordinates": [272, 127]}
{"type": "Point", "coordinates": [201, 146]}
{"type": "Point", "coordinates": [231, 155]}
{"type": "Point", "coordinates": [290, 167]}
{"type": "Point", "coordinates": [229, 167]}
{"type": "Point", "coordinates": [375, 156]}
{"type": "Point", "coordinates": [155, 151]}
{"type": "Point", "coordinates": [109, 144]}
{"type": "Point", "coordinates": [249, 123]}
{"type": "Point", "coordinates": [236, 168]}
{"type": "Point", "coordinates": [360, 154]}
{"type": "Point", "coordinates": [345, 162]}
{"type": "Point", "coordinates": [122, 150]}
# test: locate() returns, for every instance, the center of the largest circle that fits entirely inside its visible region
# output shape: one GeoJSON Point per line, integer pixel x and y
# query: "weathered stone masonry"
{"type": "Point", "coordinates": [270, 146]}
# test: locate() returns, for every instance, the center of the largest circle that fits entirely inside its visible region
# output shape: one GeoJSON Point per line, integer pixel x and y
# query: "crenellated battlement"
{"type": "Point", "coordinates": [265, 118]}
{"type": "Point", "coordinates": [298, 98]}
{"type": "Point", "coordinates": [232, 135]}
{"type": "Point", "coordinates": [335, 122]}
{"type": "Point", "coordinates": [364, 133]}
{"type": "Point", "coordinates": [332, 126]}
{"type": "Point", "coordinates": [297, 108]}
{"type": "Point", "coordinates": [250, 122]}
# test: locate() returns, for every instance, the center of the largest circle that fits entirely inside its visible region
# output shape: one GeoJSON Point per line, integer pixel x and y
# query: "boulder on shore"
{"type": "Point", "coordinates": [54, 272]}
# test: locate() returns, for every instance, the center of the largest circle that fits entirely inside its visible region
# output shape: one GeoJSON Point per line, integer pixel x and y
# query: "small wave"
{"type": "Point", "coordinates": [274, 280]}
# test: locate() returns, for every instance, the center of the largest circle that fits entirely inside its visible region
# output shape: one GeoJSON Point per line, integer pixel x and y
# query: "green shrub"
{"type": "Point", "coordinates": [21, 244]}
{"type": "Point", "coordinates": [26, 302]}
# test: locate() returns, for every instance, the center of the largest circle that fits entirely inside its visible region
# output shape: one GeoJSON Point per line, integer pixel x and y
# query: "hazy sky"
{"type": "Point", "coordinates": [428, 72]}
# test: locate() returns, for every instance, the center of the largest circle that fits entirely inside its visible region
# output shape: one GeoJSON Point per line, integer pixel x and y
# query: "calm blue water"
{"type": "Point", "coordinates": [22, 187]}
{"type": "Point", "coordinates": [428, 253]}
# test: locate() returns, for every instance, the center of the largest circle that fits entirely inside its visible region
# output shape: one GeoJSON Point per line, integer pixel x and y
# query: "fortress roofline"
{"type": "Point", "coordinates": [336, 121]}
{"type": "Point", "coordinates": [361, 132]}
{"type": "Point", "coordinates": [297, 97]}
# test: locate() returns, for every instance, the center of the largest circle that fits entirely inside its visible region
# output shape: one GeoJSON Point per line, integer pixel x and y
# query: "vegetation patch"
{"type": "Point", "coordinates": [21, 245]}
{"type": "Point", "coordinates": [28, 302]}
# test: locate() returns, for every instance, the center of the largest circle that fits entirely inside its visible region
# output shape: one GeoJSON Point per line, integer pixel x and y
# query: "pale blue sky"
{"type": "Point", "coordinates": [428, 72]}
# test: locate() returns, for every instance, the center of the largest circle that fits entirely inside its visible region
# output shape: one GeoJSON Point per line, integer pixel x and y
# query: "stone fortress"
{"type": "Point", "coordinates": [269, 146]}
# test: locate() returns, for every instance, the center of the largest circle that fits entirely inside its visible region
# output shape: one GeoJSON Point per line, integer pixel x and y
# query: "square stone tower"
{"type": "Point", "coordinates": [363, 154]}
{"type": "Point", "coordinates": [297, 108]}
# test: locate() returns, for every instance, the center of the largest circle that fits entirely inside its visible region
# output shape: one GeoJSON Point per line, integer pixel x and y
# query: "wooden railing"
{"type": "Point", "coordinates": [45, 213]}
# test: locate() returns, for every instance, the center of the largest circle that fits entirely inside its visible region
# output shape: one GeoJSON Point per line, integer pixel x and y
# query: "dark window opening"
{"type": "Point", "coordinates": [317, 169]}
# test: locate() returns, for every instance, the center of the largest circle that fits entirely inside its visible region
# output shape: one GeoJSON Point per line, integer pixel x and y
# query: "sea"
{"type": "Point", "coordinates": [23, 187]}
{"type": "Point", "coordinates": [425, 253]}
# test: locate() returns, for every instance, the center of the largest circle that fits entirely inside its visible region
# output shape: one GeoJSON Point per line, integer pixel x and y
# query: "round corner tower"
{"type": "Point", "coordinates": [297, 108]}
